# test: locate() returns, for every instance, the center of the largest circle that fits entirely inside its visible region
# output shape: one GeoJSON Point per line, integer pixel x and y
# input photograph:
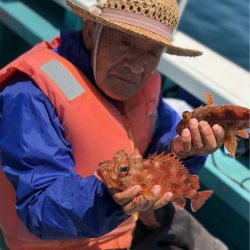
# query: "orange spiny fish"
{"type": "Point", "coordinates": [234, 119]}
{"type": "Point", "coordinates": [124, 171]}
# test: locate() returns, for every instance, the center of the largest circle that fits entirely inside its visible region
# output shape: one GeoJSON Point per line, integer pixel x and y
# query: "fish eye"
{"type": "Point", "coordinates": [123, 168]}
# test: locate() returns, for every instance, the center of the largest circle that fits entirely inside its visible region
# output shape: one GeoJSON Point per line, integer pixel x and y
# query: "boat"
{"type": "Point", "coordinates": [226, 214]}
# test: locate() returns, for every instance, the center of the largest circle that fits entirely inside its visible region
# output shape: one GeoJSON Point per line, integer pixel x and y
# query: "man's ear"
{"type": "Point", "coordinates": [89, 34]}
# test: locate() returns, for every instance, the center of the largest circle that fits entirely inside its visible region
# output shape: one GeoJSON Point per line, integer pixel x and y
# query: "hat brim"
{"type": "Point", "coordinates": [132, 29]}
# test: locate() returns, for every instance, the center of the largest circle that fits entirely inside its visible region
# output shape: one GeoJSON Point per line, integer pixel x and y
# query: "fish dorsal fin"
{"type": "Point", "coordinates": [136, 154]}
{"type": "Point", "coordinates": [209, 98]}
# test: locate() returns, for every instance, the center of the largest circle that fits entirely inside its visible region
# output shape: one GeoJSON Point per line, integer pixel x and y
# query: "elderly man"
{"type": "Point", "coordinates": [72, 103]}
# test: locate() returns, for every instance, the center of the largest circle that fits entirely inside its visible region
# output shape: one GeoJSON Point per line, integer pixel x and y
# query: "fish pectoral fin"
{"type": "Point", "coordinates": [209, 99]}
{"type": "Point", "coordinates": [231, 141]}
{"type": "Point", "coordinates": [243, 133]}
{"type": "Point", "coordinates": [179, 202]}
{"type": "Point", "coordinates": [231, 144]}
{"type": "Point", "coordinates": [199, 199]}
{"type": "Point", "coordinates": [148, 218]}
{"type": "Point", "coordinates": [195, 181]}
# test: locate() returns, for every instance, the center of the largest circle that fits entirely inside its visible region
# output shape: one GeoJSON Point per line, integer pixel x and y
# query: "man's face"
{"type": "Point", "coordinates": [125, 63]}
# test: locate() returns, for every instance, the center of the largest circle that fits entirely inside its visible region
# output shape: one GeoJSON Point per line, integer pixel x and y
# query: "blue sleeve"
{"type": "Point", "coordinates": [51, 199]}
{"type": "Point", "coordinates": [167, 120]}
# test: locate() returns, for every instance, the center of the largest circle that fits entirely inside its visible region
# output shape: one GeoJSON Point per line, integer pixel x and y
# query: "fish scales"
{"type": "Point", "coordinates": [234, 119]}
{"type": "Point", "coordinates": [226, 115]}
{"type": "Point", "coordinates": [124, 171]}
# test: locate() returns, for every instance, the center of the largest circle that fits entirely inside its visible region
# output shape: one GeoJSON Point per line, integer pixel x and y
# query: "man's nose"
{"type": "Point", "coordinates": [134, 63]}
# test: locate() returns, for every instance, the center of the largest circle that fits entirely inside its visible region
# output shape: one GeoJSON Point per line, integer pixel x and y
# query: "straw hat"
{"type": "Point", "coordinates": [152, 19]}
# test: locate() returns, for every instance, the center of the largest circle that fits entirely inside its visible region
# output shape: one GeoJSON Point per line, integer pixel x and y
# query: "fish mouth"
{"type": "Point", "coordinates": [105, 176]}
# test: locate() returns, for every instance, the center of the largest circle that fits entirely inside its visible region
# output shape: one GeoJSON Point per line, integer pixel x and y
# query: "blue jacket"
{"type": "Point", "coordinates": [38, 160]}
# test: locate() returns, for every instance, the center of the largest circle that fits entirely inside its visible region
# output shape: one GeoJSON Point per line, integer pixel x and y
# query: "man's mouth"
{"type": "Point", "coordinates": [126, 80]}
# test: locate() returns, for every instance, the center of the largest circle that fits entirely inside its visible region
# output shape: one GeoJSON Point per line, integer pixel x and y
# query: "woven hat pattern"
{"type": "Point", "coordinates": [164, 11]}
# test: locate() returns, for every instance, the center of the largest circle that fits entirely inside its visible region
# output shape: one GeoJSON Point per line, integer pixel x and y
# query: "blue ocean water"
{"type": "Point", "coordinates": [222, 25]}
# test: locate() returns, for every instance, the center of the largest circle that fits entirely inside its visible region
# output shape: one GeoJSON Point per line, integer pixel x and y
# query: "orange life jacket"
{"type": "Point", "coordinates": [88, 119]}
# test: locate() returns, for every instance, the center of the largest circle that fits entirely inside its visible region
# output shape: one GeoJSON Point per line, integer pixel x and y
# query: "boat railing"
{"type": "Point", "coordinates": [211, 72]}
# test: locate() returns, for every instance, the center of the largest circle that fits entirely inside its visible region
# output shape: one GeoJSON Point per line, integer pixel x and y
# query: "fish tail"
{"type": "Point", "coordinates": [199, 199]}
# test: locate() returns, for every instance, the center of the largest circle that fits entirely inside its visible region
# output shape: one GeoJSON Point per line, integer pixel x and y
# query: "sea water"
{"type": "Point", "coordinates": [222, 25]}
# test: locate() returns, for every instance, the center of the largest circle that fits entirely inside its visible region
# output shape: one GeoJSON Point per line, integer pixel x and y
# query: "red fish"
{"type": "Point", "coordinates": [234, 119]}
{"type": "Point", "coordinates": [124, 171]}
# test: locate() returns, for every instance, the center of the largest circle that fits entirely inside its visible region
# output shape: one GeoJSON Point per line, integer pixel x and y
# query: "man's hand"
{"type": "Point", "coordinates": [130, 206]}
{"type": "Point", "coordinates": [199, 139]}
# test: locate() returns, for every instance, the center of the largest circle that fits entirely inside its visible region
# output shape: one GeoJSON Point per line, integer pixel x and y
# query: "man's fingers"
{"type": "Point", "coordinates": [209, 140]}
{"type": "Point", "coordinates": [219, 134]}
{"type": "Point", "coordinates": [156, 191]}
{"type": "Point", "coordinates": [138, 204]}
{"type": "Point", "coordinates": [186, 140]}
{"type": "Point", "coordinates": [195, 133]}
{"type": "Point", "coordinates": [141, 202]}
{"type": "Point", "coordinates": [163, 200]}
{"type": "Point", "coordinates": [127, 195]}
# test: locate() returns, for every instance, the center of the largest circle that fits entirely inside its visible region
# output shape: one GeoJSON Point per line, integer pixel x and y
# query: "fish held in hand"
{"type": "Point", "coordinates": [234, 119]}
{"type": "Point", "coordinates": [125, 171]}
